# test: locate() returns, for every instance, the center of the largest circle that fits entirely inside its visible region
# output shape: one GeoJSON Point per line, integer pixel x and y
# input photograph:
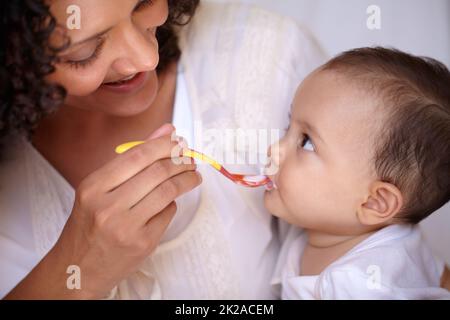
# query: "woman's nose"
{"type": "Point", "coordinates": [138, 51]}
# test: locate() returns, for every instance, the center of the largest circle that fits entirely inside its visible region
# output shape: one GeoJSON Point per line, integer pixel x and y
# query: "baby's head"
{"type": "Point", "coordinates": [368, 144]}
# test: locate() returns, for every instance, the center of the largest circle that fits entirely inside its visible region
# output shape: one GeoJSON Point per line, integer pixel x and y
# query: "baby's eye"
{"type": "Point", "coordinates": [306, 143]}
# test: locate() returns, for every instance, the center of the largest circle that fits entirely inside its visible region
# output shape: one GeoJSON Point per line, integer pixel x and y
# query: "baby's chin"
{"type": "Point", "coordinates": [270, 202]}
{"type": "Point", "coordinates": [274, 205]}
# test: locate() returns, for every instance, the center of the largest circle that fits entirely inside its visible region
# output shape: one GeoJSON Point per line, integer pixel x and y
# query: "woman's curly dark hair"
{"type": "Point", "coordinates": [26, 58]}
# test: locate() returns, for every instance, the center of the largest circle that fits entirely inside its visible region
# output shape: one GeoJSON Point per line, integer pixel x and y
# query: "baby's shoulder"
{"type": "Point", "coordinates": [395, 263]}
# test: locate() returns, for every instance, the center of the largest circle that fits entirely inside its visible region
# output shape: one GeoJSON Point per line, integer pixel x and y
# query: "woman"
{"type": "Point", "coordinates": [67, 200]}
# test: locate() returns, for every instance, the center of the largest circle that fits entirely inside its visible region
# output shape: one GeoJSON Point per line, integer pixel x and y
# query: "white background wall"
{"type": "Point", "coordinates": [420, 27]}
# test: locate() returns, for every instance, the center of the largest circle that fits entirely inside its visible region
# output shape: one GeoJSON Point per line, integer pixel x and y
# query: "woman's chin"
{"type": "Point", "coordinates": [126, 105]}
{"type": "Point", "coordinates": [127, 109]}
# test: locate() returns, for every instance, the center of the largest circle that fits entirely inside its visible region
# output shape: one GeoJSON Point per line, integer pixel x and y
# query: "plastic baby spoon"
{"type": "Point", "coordinates": [247, 180]}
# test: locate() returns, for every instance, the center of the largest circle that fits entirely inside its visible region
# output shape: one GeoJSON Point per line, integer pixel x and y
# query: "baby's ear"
{"type": "Point", "coordinates": [382, 204]}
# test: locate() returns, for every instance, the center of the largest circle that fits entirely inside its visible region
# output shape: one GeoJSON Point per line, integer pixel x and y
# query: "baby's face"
{"type": "Point", "coordinates": [325, 167]}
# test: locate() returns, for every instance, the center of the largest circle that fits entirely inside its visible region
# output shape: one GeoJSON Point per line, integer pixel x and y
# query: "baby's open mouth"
{"type": "Point", "coordinates": [271, 186]}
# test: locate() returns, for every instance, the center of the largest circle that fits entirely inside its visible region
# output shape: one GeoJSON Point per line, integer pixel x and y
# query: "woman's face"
{"type": "Point", "coordinates": [116, 41]}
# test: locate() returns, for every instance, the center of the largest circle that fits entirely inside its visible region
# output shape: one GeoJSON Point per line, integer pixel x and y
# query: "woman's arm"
{"type": "Point", "coordinates": [48, 280]}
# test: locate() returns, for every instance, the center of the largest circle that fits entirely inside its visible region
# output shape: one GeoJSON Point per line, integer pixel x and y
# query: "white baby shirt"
{"type": "Point", "coordinates": [393, 263]}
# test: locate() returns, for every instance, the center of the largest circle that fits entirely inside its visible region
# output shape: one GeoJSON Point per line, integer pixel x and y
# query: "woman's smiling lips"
{"type": "Point", "coordinates": [128, 84]}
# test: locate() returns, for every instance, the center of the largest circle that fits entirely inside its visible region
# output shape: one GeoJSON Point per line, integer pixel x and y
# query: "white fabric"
{"type": "Point", "coordinates": [241, 67]}
{"type": "Point", "coordinates": [188, 203]}
{"type": "Point", "coordinates": [393, 263]}
{"type": "Point", "coordinates": [182, 114]}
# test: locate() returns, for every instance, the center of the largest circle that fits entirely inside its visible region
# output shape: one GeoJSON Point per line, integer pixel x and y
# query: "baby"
{"type": "Point", "coordinates": [365, 158]}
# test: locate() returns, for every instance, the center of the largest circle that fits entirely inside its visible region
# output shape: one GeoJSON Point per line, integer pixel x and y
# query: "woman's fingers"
{"type": "Point", "coordinates": [154, 229]}
{"type": "Point", "coordinates": [164, 130]}
{"type": "Point", "coordinates": [164, 194]}
{"type": "Point", "coordinates": [127, 165]}
{"type": "Point", "coordinates": [135, 189]}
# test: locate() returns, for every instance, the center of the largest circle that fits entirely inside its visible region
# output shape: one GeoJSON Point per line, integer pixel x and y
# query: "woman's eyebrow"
{"type": "Point", "coordinates": [95, 36]}
{"type": "Point", "coordinates": [99, 34]}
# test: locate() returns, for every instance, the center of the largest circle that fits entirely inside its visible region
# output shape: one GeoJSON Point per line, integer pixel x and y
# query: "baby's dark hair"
{"type": "Point", "coordinates": [413, 152]}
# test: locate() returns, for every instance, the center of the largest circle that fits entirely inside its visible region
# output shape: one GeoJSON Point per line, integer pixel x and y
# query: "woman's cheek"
{"type": "Point", "coordinates": [163, 12]}
{"type": "Point", "coordinates": [78, 82]}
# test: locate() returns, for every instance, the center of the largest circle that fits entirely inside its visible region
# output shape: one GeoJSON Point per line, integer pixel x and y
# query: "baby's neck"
{"type": "Point", "coordinates": [323, 240]}
{"type": "Point", "coordinates": [322, 249]}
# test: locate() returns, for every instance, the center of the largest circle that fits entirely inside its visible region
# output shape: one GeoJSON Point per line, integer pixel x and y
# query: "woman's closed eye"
{"type": "Point", "coordinates": [143, 3]}
{"type": "Point", "coordinates": [306, 143]}
{"type": "Point", "coordinates": [85, 56]}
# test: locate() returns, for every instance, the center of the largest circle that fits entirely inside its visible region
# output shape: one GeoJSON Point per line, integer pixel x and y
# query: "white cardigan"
{"type": "Point", "coordinates": [242, 66]}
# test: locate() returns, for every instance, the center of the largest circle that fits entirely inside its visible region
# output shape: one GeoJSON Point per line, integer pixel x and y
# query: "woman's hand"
{"type": "Point", "coordinates": [120, 214]}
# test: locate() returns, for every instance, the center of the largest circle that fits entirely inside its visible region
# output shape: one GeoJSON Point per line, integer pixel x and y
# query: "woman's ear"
{"type": "Point", "coordinates": [383, 203]}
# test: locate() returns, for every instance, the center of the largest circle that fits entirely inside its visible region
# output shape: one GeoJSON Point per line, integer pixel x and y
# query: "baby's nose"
{"type": "Point", "coordinates": [273, 153]}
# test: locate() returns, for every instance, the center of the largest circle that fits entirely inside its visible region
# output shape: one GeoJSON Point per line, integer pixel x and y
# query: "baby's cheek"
{"type": "Point", "coordinates": [294, 186]}
{"type": "Point", "coordinates": [311, 190]}
{"type": "Point", "coordinates": [338, 202]}
{"type": "Point", "coordinates": [299, 179]}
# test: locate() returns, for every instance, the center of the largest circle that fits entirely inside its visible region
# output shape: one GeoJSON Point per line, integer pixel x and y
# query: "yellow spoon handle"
{"type": "Point", "coordinates": [127, 146]}
{"type": "Point", "coordinates": [200, 156]}
{"type": "Point", "coordinates": [186, 153]}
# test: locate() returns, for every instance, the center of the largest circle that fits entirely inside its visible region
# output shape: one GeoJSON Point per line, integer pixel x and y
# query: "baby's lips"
{"type": "Point", "coordinates": [265, 171]}
{"type": "Point", "coordinates": [271, 185]}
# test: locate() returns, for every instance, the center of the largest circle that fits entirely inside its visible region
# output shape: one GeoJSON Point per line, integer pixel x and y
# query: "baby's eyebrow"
{"type": "Point", "coordinates": [311, 130]}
